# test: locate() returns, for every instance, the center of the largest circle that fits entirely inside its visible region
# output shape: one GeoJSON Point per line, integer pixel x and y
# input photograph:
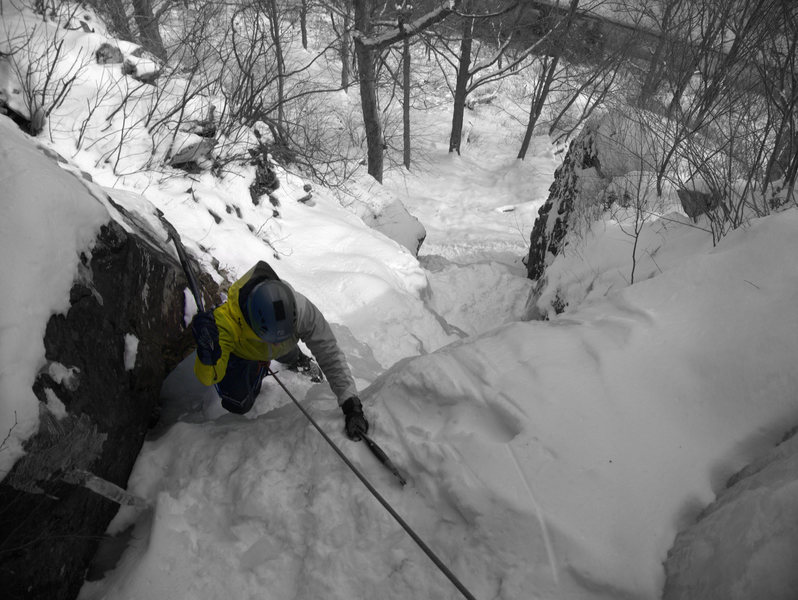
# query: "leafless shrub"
{"type": "Point", "coordinates": [43, 67]}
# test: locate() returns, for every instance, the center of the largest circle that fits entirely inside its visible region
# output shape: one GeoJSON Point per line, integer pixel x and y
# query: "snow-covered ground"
{"type": "Point", "coordinates": [545, 460]}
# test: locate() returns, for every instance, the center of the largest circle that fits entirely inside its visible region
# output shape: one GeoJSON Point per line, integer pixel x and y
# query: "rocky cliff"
{"type": "Point", "coordinates": [106, 358]}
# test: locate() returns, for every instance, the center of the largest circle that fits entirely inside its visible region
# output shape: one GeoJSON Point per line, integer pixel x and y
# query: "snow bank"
{"type": "Point", "coordinates": [746, 543]}
{"type": "Point", "coordinates": [608, 429]}
{"type": "Point", "coordinates": [46, 224]}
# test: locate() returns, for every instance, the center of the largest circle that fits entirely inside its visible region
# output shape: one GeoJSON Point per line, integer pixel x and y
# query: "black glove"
{"type": "Point", "coordinates": [206, 333]}
{"type": "Point", "coordinates": [355, 420]}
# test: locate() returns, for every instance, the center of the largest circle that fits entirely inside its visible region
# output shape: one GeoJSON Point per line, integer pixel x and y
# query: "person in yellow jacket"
{"type": "Point", "coordinates": [263, 319]}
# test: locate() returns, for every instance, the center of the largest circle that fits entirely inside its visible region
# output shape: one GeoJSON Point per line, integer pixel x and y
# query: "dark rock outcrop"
{"type": "Point", "coordinates": [108, 54]}
{"type": "Point", "coordinates": [609, 147]}
{"type": "Point", "coordinates": [548, 234]}
{"type": "Point", "coordinates": [107, 358]}
{"type": "Point", "coordinates": [696, 203]}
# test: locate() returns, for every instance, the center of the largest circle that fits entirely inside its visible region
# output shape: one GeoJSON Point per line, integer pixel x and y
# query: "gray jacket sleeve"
{"type": "Point", "coordinates": [315, 331]}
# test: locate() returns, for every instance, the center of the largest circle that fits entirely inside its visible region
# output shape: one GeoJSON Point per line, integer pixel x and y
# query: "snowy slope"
{"type": "Point", "coordinates": [550, 460]}
{"type": "Point", "coordinates": [545, 459]}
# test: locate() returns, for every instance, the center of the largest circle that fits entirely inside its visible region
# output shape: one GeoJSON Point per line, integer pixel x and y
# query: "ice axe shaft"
{"type": "Point", "coordinates": [382, 457]}
{"type": "Point", "coordinates": [193, 284]}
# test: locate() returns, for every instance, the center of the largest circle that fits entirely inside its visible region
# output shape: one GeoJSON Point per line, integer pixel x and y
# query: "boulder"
{"type": "Point", "coordinates": [394, 221]}
{"type": "Point", "coordinates": [143, 66]}
{"type": "Point", "coordinates": [384, 212]}
{"type": "Point", "coordinates": [609, 147]}
{"type": "Point", "coordinates": [191, 152]}
{"type": "Point", "coordinates": [108, 54]}
{"type": "Point", "coordinates": [144, 71]}
{"type": "Point", "coordinates": [696, 203]}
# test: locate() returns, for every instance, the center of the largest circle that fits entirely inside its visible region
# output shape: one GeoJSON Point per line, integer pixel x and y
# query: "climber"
{"type": "Point", "coordinates": [263, 319]}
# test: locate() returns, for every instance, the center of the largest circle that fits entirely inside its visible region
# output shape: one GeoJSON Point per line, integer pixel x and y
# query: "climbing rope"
{"type": "Point", "coordinates": [195, 291]}
{"type": "Point", "coordinates": [427, 550]}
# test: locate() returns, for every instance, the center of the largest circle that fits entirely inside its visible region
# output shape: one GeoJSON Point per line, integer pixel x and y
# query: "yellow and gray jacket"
{"type": "Point", "coordinates": [237, 337]}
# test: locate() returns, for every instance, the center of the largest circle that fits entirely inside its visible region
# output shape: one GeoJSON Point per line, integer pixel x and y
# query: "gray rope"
{"type": "Point", "coordinates": [438, 563]}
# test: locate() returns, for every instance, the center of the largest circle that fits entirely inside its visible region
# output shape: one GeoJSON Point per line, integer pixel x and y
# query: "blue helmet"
{"type": "Point", "coordinates": [271, 311]}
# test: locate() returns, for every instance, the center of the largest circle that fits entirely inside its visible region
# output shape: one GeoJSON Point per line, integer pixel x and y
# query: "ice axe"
{"type": "Point", "coordinates": [193, 285]}
{"type": "Point", "coordinates": [382, 457]}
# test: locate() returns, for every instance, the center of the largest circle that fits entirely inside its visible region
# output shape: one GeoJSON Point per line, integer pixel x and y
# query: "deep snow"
{"type": "Point", "coordinates": [551, 459]}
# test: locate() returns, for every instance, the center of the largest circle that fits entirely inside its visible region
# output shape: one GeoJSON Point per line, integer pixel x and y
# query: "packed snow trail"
{"type": "Point", "coordinates": [478, 208]}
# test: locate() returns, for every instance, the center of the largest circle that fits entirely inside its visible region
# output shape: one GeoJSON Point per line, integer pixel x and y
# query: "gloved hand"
{"type": "Point", "coordinates": [203, 326]}
{"type": "Point", "coordinates": [355, 420]}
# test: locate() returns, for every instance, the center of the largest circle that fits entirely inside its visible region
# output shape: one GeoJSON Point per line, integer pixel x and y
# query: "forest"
{"type": "Point", "coordinates": [709, 86]}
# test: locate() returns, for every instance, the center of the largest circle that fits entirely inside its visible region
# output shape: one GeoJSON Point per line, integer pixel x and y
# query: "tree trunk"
{"type": "Point", "coordinates": [274, 29]}
{"type": "Point", "coordinates": [368, 91]}
{"type": "Point", "coordinates": [149, 34]}
{"type": "Point", "coordinates": [549, 71]}
{"type": "Point", "coordinates": [115, 10]}
{"type": "Point", "coordinates": [366, 50]}
{"type": "Point", "coordinates": [538, 102]}
{"type": "Point", "coordinates": [461, 86]}
{"type": "Point", "coordinates": [346, 45]}
{"type": "Point", "coordinates": [406, 102]}
{"type": "Point", "coordinates": [303, 23]}
{"type": "Point", "coordinates": [657, 68]}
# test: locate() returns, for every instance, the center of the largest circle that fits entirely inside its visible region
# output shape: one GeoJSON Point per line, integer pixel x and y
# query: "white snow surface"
{"type": "Point", "coordinates": [45, 224]}
{"type": "Point", "coordinates": [545, 460]}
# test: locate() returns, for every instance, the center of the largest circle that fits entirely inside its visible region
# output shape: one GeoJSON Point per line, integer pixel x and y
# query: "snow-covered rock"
{"type": "Point", "coordinates": [395, 222]}
{"type": "Point", "coordinates": [104, 354]}
{"type": "Point", "coordinates": [747, 540]}
{"type": "Point", "coordinates": [384, 212]}
{"type": "Point", "coordinates": [548, 233]}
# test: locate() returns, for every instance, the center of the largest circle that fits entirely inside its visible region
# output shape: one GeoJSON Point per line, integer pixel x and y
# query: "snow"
{"type": "Point", "coordinates": [45, 225]}
{"type": "Point", "coordinates": [765, 500]}
{"type": "Point", "coordinates": [545, 459]}
{"type": "Point", "coordinates": [131, 350]}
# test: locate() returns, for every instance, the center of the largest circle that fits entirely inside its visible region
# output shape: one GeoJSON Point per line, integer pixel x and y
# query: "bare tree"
{"type": "Point", "coordinates": [473, 73]}
{"type": "Point", "coordinates": [549, 64]}
{"type": "Point", "coordinates": [277, 46]}
{"type": "Point", "coordinates": [632, 200]}
{"type": "Point", "coordinates": [778, 71]}
{"type": "Point", "coordinates": [340, 12]}
{"type": "Point", "coordinates": [303, 23]}
{"type": "Point", "coordinates": [669, 19]}
{"type": "Point", "coordinates": [116, 13]}
{"type": "Point", "coordinates": [368, 44]}
{"type": "Point", "coordinates": [148, 25]}
{"type": "Point", "coordinates": [44, 69]}
{"type": "Point", "coordinates": [406, 149]}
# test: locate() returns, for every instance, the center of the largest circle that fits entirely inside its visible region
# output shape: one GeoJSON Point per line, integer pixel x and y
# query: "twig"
{"type": "Point", "coordinates": [8, 435]}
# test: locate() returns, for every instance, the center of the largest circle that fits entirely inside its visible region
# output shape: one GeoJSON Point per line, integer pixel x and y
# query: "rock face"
{"type": "Point", "coordinates": [745, 544]}
{"type": "Point", "coordinates": [609, 147]}
{"type": "Point", "coordinates": [548, 233]}
{"type": "Point", "coordinates": [107, 358]}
